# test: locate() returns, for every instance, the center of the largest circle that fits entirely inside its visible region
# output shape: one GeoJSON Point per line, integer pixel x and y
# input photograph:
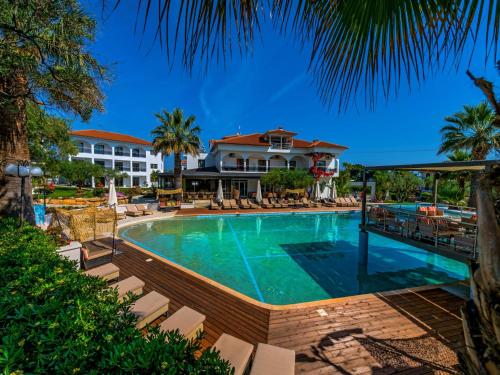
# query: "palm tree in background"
{"type": "Point", "coordinates": [472, 130]}
{"type": "Point", "coordinates": [44, 61]}
{"type": "Point", "coordinates": [462, 177]}
{"type": "Point", "coordinates": [176, 135]}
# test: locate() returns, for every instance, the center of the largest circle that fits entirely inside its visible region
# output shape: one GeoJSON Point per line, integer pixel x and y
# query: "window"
{"type": "Point", "coordinates": [136, 181]}
{"type": "Point", "coordinates": [99, 149]}
{"type": "Point", "coordinates": [201, 163]}
{"type": "Point", "coordinates": [262, 165]}
{"type": "Point", "coordinates": [119, 150]}
{"type": "Point", "coordinates": [240, 164]}
{"type": "Point", "coordinates": [293, 164]}
{"type": "Point", "coordinates": [154, 166]}
{"type": "Point", "coordinates": [138, 153]}
{"type": "Point", "coordinates": [321, 164]}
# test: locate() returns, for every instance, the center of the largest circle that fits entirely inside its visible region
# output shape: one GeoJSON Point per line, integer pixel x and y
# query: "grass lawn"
{"type": "Point", "coordinates": [69, 192]}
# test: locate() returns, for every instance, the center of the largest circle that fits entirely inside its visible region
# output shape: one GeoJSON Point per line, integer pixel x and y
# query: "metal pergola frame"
{"type": "Point", "coordinates": [439, 167]}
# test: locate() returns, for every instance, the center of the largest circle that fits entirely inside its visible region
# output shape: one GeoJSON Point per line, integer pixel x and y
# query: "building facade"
{"type": "Point", "coordinates": [240, 160]}
{"type": "Point", "coordinates": [131, 155]}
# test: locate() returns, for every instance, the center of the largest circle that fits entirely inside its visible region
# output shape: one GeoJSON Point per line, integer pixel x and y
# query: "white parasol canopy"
{"type": "Point", "coordinates": [112, 199]}
{"type": "Point", "coordinates": [220, 193]}
{"type": "Point", "coordinates": [326, 193]}
{"type": "Point", "coordinates": [258, 196]}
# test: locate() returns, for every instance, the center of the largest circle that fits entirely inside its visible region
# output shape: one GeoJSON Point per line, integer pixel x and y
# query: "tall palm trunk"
{"type": "Point", "coordinates": [14, 145]}
{"type": "Point", "coordinates": [474, 183]}
{"type": "Point", "coordinates": [481, 315]}
{"type": "Point", "coordinates": [178, 173]}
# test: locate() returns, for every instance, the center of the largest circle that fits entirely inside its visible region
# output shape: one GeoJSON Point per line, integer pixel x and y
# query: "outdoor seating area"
{"type": "Point", "coordinates": [188, 322]}
{"type": "Point", "coordinates": [429, 226]}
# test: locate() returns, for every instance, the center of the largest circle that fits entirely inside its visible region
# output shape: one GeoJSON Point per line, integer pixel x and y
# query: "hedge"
{"type": "Point", "coordinates": [54, 319]}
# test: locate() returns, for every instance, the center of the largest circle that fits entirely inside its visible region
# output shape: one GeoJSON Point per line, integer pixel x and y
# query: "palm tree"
{"type": "Point", "coordinates": [472, 129]}
{"type": "Point", "coordinates": [462, 177]}
{"type": "Point", "coordinates": [176, 135]}
{"type": "Point", "coordinates": [45, 60]}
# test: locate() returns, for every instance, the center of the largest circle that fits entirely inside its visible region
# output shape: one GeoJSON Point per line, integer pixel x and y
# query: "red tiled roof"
{"type": "Point", "coordinates": [110, 136]}
{"type": "Point", "coordinates": [280, 131]}
{"type": "Point", "coordinates": [257, 139]}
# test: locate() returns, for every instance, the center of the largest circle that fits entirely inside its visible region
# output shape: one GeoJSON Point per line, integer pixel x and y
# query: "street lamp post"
{"type": "Point", "coordinates": [22, 170]}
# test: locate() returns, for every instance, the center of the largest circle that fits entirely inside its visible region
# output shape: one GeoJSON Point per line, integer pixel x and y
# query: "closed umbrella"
{"type": "Point", "coordinates": [258, 196]}
{"type": "Point", "coordinates": [334, 191]}
{"type": "Point", "coordinates": [112, 199]}
{"type": "Point", "coordinates": [220, 193]}
{"type": "Point", "coordinates": [316, 192]}
{"type": "Point", "coordinates": [325, 194]}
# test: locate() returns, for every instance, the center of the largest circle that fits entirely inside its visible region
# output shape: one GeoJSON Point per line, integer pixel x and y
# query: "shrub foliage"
{"type": "Point", "coordinates": [54, 319]}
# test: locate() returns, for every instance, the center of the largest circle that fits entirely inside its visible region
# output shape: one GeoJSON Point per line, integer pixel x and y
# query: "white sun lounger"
{"type": "Point", "coordinates": [107, 272]}
{"type": "Point", "coordinates": [188, 321]}
{"type": "Point", "coordinates": [273, 360]}
{"type": "Point", "coordinates": [132, 284]}
{"type": "Point", "coordinates": [149, 307]}
{"type": "Point", "coordinates": [237, 352]}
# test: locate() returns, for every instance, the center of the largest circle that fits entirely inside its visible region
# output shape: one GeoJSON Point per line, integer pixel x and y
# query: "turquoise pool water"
{"type": "Point", "coordinates": [291, 258]}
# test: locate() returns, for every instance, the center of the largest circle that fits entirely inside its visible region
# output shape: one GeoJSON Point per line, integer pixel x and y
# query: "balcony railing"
{"type": "Point", "coordinates": [253, 168]}
{"type": "Point", "coordinates": [122, 168]}
{"type": "Point", "coordinates": [138, 154]}
{"type": "Point", "coordinates": [121, 153]}
{"type": "Point", "coordinates": [140, 169]}
{"type": "Point", "coordinates": [281, 146]}
{"type": "Point", "coordinates": [86, 150]}
{"type": "Point", "coordinates": [102, 152]}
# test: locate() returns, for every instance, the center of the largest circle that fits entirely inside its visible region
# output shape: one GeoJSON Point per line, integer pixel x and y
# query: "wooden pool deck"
{"type": "Point", "coordinates": [409, 331]}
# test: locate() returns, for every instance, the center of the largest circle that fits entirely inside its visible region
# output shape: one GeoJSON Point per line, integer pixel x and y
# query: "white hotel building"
{"type": "Point", "coordinates": [240, 160]}
{"type": "Point", "coordinates": [122, 152]}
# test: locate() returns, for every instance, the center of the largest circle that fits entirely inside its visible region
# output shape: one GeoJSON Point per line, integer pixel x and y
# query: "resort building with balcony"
{"type": "Point", "coordinates": [240, 160]}
{"type": "Point", "coordinates": [122, 152]}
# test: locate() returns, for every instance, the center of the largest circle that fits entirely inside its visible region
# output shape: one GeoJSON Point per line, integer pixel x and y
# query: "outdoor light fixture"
{"type": "Point", "coordinates": [22, 170]}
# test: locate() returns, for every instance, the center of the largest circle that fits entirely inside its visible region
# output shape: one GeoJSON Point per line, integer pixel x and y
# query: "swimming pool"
{"type": "Point", "coordinates": [291, 258]}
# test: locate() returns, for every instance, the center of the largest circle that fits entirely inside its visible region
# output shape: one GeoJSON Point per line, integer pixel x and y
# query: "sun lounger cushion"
{"type": "Point", "coordinates": [132, 284]}
{"type": "Point", "coordinates": [150, 307]}
{"type": "Point", "coordinates": [107, 272]}
{"type": "Point", "coordinates": [237, 352]}
{"type": "Point", "coordinates": [186, 320]}
{"type": "Point", "coordinates": [273, 360]}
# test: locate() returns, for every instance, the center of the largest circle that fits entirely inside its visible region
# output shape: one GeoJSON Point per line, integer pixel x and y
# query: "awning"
{"type": "Point", "coordinates": [446, 166]}
{"type": "Point", "coordinates": [168, 191]}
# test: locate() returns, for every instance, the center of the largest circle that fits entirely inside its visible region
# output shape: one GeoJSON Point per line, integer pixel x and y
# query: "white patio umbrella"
{"type": "Point", "coordinates": [258, 196]}
{"type": "Point", "coordinates": [325, 194]}
{"type": "Point", "coordinates": [220, 193]}
{"type": "Point", "coordinates": [317, 192]}
{"type": "Point", "coordinates": [112, 199]}
{"type": "Point", "coordinates": [334, 190]}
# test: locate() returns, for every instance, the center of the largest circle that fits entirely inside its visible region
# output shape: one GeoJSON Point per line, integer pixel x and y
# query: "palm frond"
{"type": "Point", "coordinates": [358, 46]}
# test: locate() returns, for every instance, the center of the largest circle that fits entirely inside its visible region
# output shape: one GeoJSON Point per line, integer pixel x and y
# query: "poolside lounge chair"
{"type": "Point", "coordinates": [328, 203]}
{"type": "Point", "coordinates": [226, 205]}
{"type": "Point", "coordinates": [237, 352]}
{"type": "Point", "coordinates": [132, 210]}
{"type": "Point", "coordinates": [95, 252]}
{"type": "Point", "coordinates": [266, 204]}
{"type": "Point", "coordinates": [244, 203]}
{"type": "Point", "coordinates": [144, 208]}
{"type": "Point", "coordinates": [149, 308]}
{"type": "Point", "coordinates": [121, 212]}
{"type": "Point", "coordinates": [274, 202]}
{"type": "Point", "coordinates": [270, 359]}
{"type": "Point", "coordinates": [188, 321]}
{"type": "Point", "coordinates": [252, 204]}
{"type": "Point", "coordinates": [465, 243]}
{"type": "Point", "coordinates": [214, 205]}
{"type": "Point", "coordinates": [107, 272]}
{"type": "Point", "coordinates": [162, 205]}
{"type": "Point", "coordinates": [132, 285]}
{"type": "Point", "coordinates": [354, 202]}
{"type": "Point", "coordinates": [233, 203]}
{"type": "Point", "coordinates": [283, 203]}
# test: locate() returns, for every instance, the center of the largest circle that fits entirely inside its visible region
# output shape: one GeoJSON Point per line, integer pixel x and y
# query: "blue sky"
{"type": "Point", "coordinates": [270, 87]}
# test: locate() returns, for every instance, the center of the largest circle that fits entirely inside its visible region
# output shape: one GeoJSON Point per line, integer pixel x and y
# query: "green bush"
{"type": "Point", "coordinates": [54, 319]}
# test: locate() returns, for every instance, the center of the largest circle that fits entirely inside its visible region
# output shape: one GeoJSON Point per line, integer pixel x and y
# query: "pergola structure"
{"type": "Point", "coordinates": [435, 168]}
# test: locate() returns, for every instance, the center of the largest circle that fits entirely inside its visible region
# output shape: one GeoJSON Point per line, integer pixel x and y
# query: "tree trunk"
{"type": "Point", "coordinates": [178, 174]}
{"type": "Point", "coordinates": [14, 146]}
{"type": "Point", "coordinates": [474, 182]}
{"type": "Point", "coordinates": [481, 316]}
